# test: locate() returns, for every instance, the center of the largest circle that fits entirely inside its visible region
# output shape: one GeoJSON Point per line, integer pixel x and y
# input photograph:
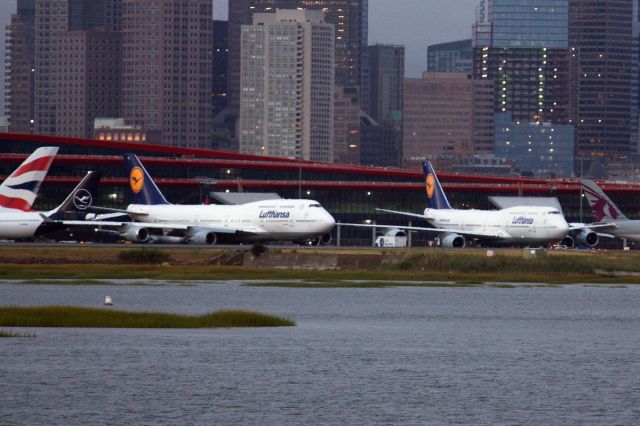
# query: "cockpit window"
{"type": "Point", "coordinates": [315, 205]}
{"type": "Point", "coordinates": [554, 212]}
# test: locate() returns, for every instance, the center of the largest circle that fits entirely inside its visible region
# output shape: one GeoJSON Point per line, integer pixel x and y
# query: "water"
{"type": "Point", "coordinates": [358, 356]}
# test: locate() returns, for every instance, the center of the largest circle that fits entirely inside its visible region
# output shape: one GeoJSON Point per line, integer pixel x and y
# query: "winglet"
{"type": "Point", "coordinates": [435, 194]}
{"type": "Point", "coordinates": [604, 210]}
{"type": "Point", "coordinates": [143, 189]}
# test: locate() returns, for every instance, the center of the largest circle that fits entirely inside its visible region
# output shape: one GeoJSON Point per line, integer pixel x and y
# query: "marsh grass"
{"type": "Point", "coordinates": [93, 282]}
{"type": "Point", "coordinates": [144, 255]}
{"type": "Point", "coordinates": [12, 334]}
{"type": "Point", "coordinates": [471, 262]}
{"type": "Point", "coordinates": [71, 316]}
{"type": "Point", "coordinates": [470, 267]}
{"type": "Point", "coordinates": [67, 282]}
{"type": "Point", "coordinates": [353, 284]}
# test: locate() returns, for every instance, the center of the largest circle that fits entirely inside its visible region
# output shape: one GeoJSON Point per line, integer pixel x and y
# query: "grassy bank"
{"type": "Point", "coordinates": [185, 264]}
{"type": "Point", "coordinates": [12, 334]}
{"type": "Point", "coordinates": [70, 316]}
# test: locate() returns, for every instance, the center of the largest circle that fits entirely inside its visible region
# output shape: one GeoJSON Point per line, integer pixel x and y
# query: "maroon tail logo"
{"type": "Point", "coordinates": [601, 207]}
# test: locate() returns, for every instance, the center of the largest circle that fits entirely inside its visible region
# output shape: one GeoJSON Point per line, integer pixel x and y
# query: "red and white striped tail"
{"type": "Point", "coordinates": [19, 190]}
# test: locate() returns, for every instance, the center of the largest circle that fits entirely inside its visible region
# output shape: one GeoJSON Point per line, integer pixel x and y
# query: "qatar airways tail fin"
{"type": "Point", "coordinates": [604, 210]}
{"type": "Point", "coordinates": [19, 190]}
{"type": "Point", "coordinates": [435, 194]}
{"type": "Point", "coordinates": [143, 189]}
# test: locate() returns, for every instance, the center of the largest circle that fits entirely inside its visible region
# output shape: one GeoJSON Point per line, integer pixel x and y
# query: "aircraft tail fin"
{"type": "Point", "coordinates": [435, 193]}
{"type": "Point", "coordinates": [604, 210]}
{"type": "Point", "coordinates": [80, 199]}
{"type": "Point", "coordinates": [143, 189]}
{"type": "Point", "coordinates": [19, 190]}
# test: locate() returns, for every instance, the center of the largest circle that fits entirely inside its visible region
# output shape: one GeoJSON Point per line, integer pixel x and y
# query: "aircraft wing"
{"type": "Point", "coordinates": [595, 227]}
{"type": "Point", "coordinates": [474, 234]}
{"type": "Point", "coordinates": [161, 225]}
{"type": "Point", "coordinates": [576, 226]}
{"type": "Point", "coordinates": [112, 210]}
{"type": "Point", "coordinates": [421, 216]}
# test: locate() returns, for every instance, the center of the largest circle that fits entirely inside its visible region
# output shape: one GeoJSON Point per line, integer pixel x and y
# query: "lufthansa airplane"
{"type": "Point", "coordinates": [16, 224]}
{"type": "Point", "coordinates": [612, 220]}
{"type": "Point", "coordinates": [154, 219]}
{"type": "Point", "coordinates": [525, 225]}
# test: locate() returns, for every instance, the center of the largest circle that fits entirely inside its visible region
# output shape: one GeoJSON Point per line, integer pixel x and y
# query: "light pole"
{"type": "Point", "coordinates": [581, 194]}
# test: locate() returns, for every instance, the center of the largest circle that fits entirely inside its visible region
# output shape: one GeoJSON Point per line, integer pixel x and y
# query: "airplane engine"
{"type": "Point", "coordinates": [453, 241]}
{"type": "Point", "coordinates": [587, 237]}
{"type": "Point", "coordinates": [395, 232]}
{"type": "Point", "coordinates": [165, 239]}
{"type": "Point", "coordinates": [135, 234]}
{"type": "Point", "coordinates": [325, 239]}
{"type": "Point", "coordinates": [568, 242]}
{"type": "Point", "coordinates": [204, 237]}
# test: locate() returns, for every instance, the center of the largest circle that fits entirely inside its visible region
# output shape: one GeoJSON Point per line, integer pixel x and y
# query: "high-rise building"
{"type": "Point", "coordinates": [604, 77]}
{"type": "Point", "coordinates": [385, 71]}
{"type": "Point", "coordinates": [454, 56]}
{"type": "Point", "coordinates": [100, 15]}
{"type": "Point", "coordinates": [379, 145]}
{"type": "Point", "coordinates": [386, 78]}
{"type": "Point", "coordinates": [20, 54]}
{"type": "Point", "coordinates": [54, 19]}
{"type": "Point", "coordinates": [445, 116]}
{"type": "Point", "coordinates": [166, 68]}
{"type": "Point", "coordinates": [219, 66]}
{"type": "Point", "coordinates": [522, 47]}
{"type": "Point", "coordinates": [347, 129]}
{"type": "Point", "coordinates": [88, 80]}
{"type": "Point", "coordinates": [350, 18]}
{"type": "Point", "coordinates": [544, 149]}
{"type": "Point", "coordinates": [287, 80]}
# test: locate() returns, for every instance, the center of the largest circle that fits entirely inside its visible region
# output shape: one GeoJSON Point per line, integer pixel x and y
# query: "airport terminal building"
{"type": "Point", "coordinates": [350, 193]}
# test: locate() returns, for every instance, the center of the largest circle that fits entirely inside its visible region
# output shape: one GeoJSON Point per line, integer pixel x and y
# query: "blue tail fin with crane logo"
{"type": "Point", "coordinates": [435, 194]}
{"type": "Point", "coordinates": [143, 189]}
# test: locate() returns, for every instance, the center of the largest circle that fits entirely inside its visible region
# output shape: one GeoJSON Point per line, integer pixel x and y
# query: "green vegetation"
{"type": "Point", "coordinates": [144, 255]}
{"type": "Point", "coordinates": [70, 316]}
{"type": "Point", "coordinates": [462, 267]}
{"type": "Point", "coordinates": [258, 249]}
{"type": "Point", "coordinates": [66, 282]}
{"type": "Point", "coordinates": [354, 284]}
{"type": "Point", "coordinates": [12, 334]}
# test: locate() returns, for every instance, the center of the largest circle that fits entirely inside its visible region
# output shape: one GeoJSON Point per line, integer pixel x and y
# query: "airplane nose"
{"type": "Point", "coordinates": [563, 226]}
{"type": "Point", "coordinates": [328, 220]}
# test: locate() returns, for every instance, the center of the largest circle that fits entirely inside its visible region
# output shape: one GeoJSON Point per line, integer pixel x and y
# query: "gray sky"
{"type": "Point", "coordinates": [412, 23]}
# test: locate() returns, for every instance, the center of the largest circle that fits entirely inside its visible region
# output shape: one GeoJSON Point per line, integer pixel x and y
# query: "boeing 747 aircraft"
{"type": "Point", "coordinates": [612, 220]}
{"type": "Point", "coordinates": [154, 219]}
{"type": "Point", "coordinates": [525, 225]}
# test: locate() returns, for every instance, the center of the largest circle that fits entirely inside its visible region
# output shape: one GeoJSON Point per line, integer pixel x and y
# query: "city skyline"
{"type": "Point", "coordinates": [414, 24]}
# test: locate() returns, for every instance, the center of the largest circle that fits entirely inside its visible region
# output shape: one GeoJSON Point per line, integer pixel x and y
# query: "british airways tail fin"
{"type": "Point", "coordinates": [80, 199]}
{"type": "Point", "coordinates": [602, 207]}
{"type": "Point", "coordinates": [143, 188]}
{"type": "Point", "coordinates": [19, 190]}
{"type": "Point", "coordinates": [435, 194]}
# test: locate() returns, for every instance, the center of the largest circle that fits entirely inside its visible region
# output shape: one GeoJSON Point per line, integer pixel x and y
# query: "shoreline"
{"type": "Point", "coordinates": [416, 264]}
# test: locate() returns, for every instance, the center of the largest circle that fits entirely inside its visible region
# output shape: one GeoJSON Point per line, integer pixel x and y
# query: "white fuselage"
{"type": "Point", "coordinates": [269, 220]}
{"type": "Point", "coordinates": [519, 225]}
{"type": "Point", "coordinates": [19, 224]}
